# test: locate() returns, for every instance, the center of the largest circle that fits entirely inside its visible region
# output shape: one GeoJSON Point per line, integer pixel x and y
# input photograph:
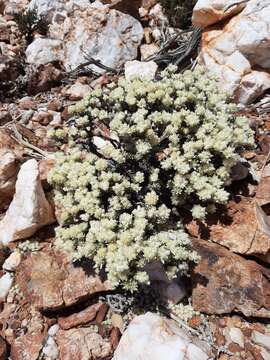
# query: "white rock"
{"type": "Point", "coordinates": [151, 337]}
{"type": "Point", "coordinates": [5, 284]}
{"type": "Point", "coordinates": [77, 26]}
{"type": "Point", "coordinates": [8, 171]}
{"type": "Point", "coordinates": [53, 330]}
{"type": "Point", "coordinates": [29, 210]}
{"type": "Point", "coordinates": [57, 120]}
{"type": "Point", "coordinates": [157, 35]}
{"type": "Point", "coordinates": [237, 336]}
{"type": "Point", "coordinates": [143, 12]}
{"type": "Point", "coordinates": [106, 35]}
{"type": "Point", "coordinates": [265, 354]}
{"type": "Point", "coordinates": [140, 69]}
{"type": "Point", "coordinates": [43, 51]}
{"type": "Point", "coordinates": [235, 50]}
{"type": "Point", "coordinates": [208, 12]}
{"type": "Point", "coordinates": [78, 91]}
{"type": "Point", "coordinates": [13, 261]}
{"type": "Point", "coordinates": [252, 86]}
{"type": "Point", "coordinates": [50, 349]}
{"type": "Point", "coordinates": [50, 7]}
{"type": "Point", "coordinates": [261, 339]}
{"type": "Point", "coordinates": [148, 50]}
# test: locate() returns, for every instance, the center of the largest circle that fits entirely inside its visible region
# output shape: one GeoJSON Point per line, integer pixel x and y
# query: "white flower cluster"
{"type": "Point", "coordinates": [184, 312]}
{"type": "Point", "coordinates": [168, 144]}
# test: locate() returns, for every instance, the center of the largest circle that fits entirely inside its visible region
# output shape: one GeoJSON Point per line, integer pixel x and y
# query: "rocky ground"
{"type": "Point", "coordinates": [50, 307]}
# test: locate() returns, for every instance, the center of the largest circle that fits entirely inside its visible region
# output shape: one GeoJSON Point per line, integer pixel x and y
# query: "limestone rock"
{"type": "Point", "coordinates": [106, 35]}
{"type": "Point", "coordinates": [237, 52]}
{"type": "Point", "coordinates": [10, 156]}
{"type": "Point", "coordinates": [208, 12]}
{"type": "Point", "coordinates": [225, 282]}
{"type": "Point", "coordinates": [51, 282]}
{"type": "Point", "coordinates": [43, 51]}
{"type": "Point", "coordinates": [13, 261]}
{"type": "Point", "coordinates": [252, 86]}
{"type": "Point", "coordinates": [8, 172]}
{"type": "Point", "coordinates": [140, 69]}
{"type": "Point", "coordinates": [50, 349]}
{"type": "Point", "coordinates": [29, 210]}
{"type": "Point", "coordinates": [151, 337]}
{"type": "Point", "coordinates": [261, 339]}
{"type": "Point", "coordinates": [148, 50]}
{"type": "Point", "coordinates": [5, 284]}
{"type": "Point", "coordinates": [52, 7]}
{"type": "Point", "coordinates": [77, 26]}
{"type": "Point", "coordinates": [237, 336]}
{"type": "Point", "coordinates": [78, 91]}
{"type": "Point", "coordinates": [53, 330]}
{"type": "Point", "coordinates": [81, 344]}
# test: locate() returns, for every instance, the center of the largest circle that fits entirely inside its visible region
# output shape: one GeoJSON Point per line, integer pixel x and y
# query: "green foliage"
{"type": "Point", "coordinates": [30, 22]}
{"type": "Point", "coordinates": [179, 12]}
{"type": "Point", "coordinates": [167, 146]}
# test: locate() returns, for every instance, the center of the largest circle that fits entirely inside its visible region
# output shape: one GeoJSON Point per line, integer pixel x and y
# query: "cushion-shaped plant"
{"type": "Point", "coordinates": [163, 146]}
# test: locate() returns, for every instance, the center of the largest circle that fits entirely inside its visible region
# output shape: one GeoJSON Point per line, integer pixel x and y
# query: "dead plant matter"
{"type": "Point", "coordinates": [179, 12]}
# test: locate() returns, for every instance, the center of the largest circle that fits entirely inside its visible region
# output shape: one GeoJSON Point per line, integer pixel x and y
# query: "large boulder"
{"type": "Point", "coordinates": [78, 27]}
{"type": "Point", "coordinates": [208, 12]}
{"type": "Point", "coordinates": [82, 344]}
{"type": "Point", "coordinates": [50, 281]}
{"type": "Point", "coordinates": [151, 337]}
{"type": "Point", "coordinates": [29, 210]}
{"type": "Point", "coordinates": [238, 52]}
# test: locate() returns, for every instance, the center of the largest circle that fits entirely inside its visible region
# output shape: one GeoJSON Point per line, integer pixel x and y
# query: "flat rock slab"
{"type": "Point", "coordinates": [51, 282]}
{"type": "Point", "coordinates": [81, 318]}
{"type": "Point", "coordinates": [27, 347]}
{"type": "Point", "coordinates": [82, 344]}
{"type": "Point", "coordinates": [244, 234]}
{"type": "Point", "coordinates": [224, 282]}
